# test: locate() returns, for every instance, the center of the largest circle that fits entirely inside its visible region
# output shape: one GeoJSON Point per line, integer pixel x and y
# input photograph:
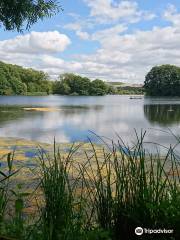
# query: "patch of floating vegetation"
{"type": "Point", "coordinates": [26, 149]}
{"type": "Point", "coordinates": [41, 109]}
{"type": "Point", "coordinates": [27, 153]}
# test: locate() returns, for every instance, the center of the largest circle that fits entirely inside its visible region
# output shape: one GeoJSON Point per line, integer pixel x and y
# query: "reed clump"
{"type": "Point", "coordinates": [105, 195]}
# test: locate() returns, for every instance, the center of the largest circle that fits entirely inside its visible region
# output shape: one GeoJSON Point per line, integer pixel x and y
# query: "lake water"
{"type": "Point", "coordinates": [75, 118]}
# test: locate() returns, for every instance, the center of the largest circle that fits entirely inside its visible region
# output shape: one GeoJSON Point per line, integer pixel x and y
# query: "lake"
{"type": "Point", "coordinates": [72, 118]}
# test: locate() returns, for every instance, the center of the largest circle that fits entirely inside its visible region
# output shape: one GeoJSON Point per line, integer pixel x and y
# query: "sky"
{"type": "Point", "coordinates": [111, 40]}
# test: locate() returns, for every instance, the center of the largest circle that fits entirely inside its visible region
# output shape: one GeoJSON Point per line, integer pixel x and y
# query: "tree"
{"type": "Point", "coordinates": [163, 81]}
{"type": "Point", "coordinates": [15, 80]}
{"type": "Point", "coordinates": [18, 88]}
{"type": "Point", "coordinates": [4, 85]}
{"type": "Point", "coordinates": [98, 88]}
{"type": "Point", "coordinates": [61, 87]}
{"type": "Point", "coordinates": [15, 13]}
{"type": "Point", "coordinates": [71, 84]}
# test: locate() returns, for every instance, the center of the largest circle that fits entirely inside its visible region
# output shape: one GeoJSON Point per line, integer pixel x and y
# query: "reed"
{"type": "Point", "coordinates": [107, 194]}
{"type": "Point", "coordinates": [133, 188]}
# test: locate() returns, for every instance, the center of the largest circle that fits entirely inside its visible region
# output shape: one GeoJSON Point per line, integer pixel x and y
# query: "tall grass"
{"type": "Point", "coordinates": [58, 214]}
{"type": "Point", "coordinates": [110, 191]}
{"type": "Point", "coordinates": [133, 189]}
{"type": "Point", "coordinates": [4, 185]}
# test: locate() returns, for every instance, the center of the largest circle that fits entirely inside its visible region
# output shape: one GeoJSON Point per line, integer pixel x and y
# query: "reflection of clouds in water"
{"type": "Point", "coordinates": [73, 121]}
{"type": "Point", "coordinates": [105, 116]}
{"type": "Point", "coordinates": [163, 140]}
{"type": "Point", "coordinates": [40, 128]}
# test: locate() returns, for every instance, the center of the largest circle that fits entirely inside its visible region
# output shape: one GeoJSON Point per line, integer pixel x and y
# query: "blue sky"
{"type": "Point", "coordinates": [109, 39]}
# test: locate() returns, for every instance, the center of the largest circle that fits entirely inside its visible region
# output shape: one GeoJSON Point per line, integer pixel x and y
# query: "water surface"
{"type": "Point", "coordinates": [74, 118]}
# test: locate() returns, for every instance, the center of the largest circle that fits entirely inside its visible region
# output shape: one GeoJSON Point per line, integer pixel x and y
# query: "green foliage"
{"type": "Point", "coordinates": [131, 188]}
{"type": "Point", "coordinates": [98, 88]}
{"type": "Point", "coordinates": [4, 85]}
{"type": "Point", "coordinates": [15, 80]}
{"type": "Point", "coordinates": [4, 186]}
{"type": "Point", "coordinates": [17, 225]}
{"type": "Point", "coordinates": [163, 81]}
{"type": "Point", "coordinates": [128, 90]}
{"type": "Point", "coordinates": [14, 14]}
{"type": "Point", "coordinates": [59, 220]}
{"type": "Point", "coordinates": [104, 196]}
{"type": "Point", "coordinates": [71, 84]}
{"type": "Point", "coordinates": [18, 87]}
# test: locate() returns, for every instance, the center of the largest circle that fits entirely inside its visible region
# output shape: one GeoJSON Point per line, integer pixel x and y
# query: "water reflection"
{"type": "Point", "coordinates": [66, 123]}
{"type": "Point", "coordinates": [71, 118]}
{"type": "Point", "coordinates": [9, 115]}
{"type": "Point", "coordinates": [165, 115]}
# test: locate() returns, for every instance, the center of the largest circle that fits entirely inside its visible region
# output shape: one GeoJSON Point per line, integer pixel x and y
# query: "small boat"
{"type": "Point", "coordinates": [135, 97]}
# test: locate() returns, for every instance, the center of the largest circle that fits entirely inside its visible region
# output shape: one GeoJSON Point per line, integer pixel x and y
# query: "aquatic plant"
{"type": "Point", "coordinates": [104, 195]}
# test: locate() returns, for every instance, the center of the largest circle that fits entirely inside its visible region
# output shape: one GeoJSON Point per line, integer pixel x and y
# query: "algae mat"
{"type": "Point", "coordinates": [26, 153]}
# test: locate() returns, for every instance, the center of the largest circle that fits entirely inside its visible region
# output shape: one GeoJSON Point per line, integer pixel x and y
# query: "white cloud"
{"type": "Point", "coordinates": [78, 27]}
{"type": "Point", "coordinates": [83, 35]}
{"type": "Point", "coordinates": [109, 32]}
{"type": "Point", "coordinates": [109, 10]}
{"type": "Point", "coordinates": [37, 43]}
{"type": "Point", "coordinates": [73, 26]}
{"type": "Point", "coordinates": [128, 57]}
{"type": "Point", "coordinates": [55, 66]}
{"type": "Point", "coordinates": [122, 55]}
{"type": "Point", "coordinates": [172, 15]}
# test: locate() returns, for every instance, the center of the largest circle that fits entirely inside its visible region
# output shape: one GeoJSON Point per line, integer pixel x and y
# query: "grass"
{"type": "Point", "coordinates": [104, 196]}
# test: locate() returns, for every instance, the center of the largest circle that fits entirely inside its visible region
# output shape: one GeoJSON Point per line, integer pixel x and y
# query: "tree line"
{"type": "Point", "coordinates": [130, 90]}
{"type": "Point", "coordinates": [16, 80]}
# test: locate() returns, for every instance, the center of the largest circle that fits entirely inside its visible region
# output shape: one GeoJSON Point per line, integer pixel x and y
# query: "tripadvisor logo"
{"type": "Point", "coordinates": [139, 231]}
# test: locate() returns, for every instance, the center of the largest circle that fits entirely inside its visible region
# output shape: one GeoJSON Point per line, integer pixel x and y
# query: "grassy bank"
{"type": "Point", "coordinates": [105, 194]}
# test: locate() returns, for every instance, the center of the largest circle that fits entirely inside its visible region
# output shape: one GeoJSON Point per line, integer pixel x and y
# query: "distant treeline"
{"type": "Point", "coordinates": [128, 90]}
{"type": "Point", "coordinates": [16, 80]}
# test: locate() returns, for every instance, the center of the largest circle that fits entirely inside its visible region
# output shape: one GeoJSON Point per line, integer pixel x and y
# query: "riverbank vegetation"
{"type": "Point", "coordinates": [163, 81]}
{"type": "Point", "coordinates": [103, 196]}
{"type": "Point", "coordinates": [16, 80]}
